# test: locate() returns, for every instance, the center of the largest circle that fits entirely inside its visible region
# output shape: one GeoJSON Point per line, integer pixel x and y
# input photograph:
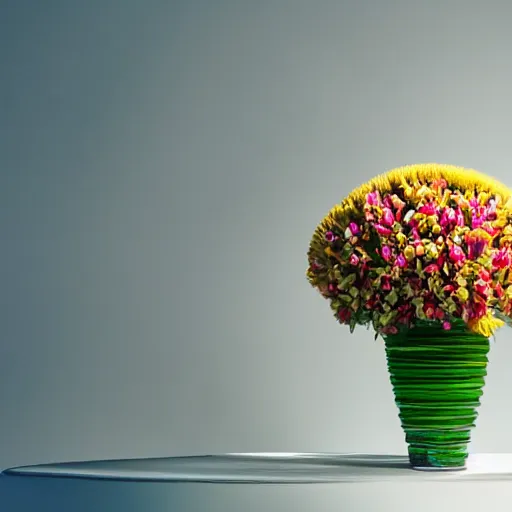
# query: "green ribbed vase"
{"type": "Point", "coordinates": [437, 377]}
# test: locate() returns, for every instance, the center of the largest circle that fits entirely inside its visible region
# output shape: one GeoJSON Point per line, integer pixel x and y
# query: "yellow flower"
{"type": "Point", "coordinates": [485, 325]}
{"type": "Point", "coordinates": [460, 280]}
{"type": "Point", "coordinates": [401, 239]}
{"type": "Point", "coordinates": [446, 197]}
{"type": "Point", "coordinates": [408, 192]}
{"type": "Point", "coordinates": [483, 198]}
{"type": "Point", "coordinates": [406, 177]}
{"type": "Point", "coordinates": [432, 251]}
{"type": "Point", "coordinates": [436, 229]}
{"type": "Point", "coordinates": [462, 294]}
{"type": "Point", "coordinates": [409, 253]}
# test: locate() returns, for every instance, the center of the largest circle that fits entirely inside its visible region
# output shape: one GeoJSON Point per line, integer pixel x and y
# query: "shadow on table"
{"type": "Point", "coordinates": [229, 468]}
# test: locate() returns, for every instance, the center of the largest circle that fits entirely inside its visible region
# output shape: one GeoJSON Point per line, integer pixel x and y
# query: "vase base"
{"type": "Point", "coordinates": [437, 468]}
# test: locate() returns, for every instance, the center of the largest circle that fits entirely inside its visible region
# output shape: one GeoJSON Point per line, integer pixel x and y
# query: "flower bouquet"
{"type": "Point", "coordinates": [422, 255]}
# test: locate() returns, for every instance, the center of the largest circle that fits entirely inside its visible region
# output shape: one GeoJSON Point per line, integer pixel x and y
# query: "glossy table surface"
{"type": "Point", "coordinates": [261, 481]}
{"type": "Point", "coordinates": [273, 468]}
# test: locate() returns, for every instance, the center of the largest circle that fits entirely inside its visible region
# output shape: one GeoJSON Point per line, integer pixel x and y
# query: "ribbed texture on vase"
{"type": "Point", "coordinates": [437, 378]}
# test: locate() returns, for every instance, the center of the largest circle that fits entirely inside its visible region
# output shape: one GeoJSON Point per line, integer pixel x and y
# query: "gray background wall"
{"type": "Point", "coordinates": [163, 165]}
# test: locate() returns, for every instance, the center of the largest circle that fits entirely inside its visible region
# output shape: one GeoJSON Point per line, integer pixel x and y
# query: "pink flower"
{"type": "Point", "coordinates": [354, 259]}
{"type": "Point", "coordinates": [439, 314]}
{"type": "Point", "coordinates": [329, 236]}
{"type": "Point", "coordinates": [491, 210]}
{"type": "Point", "coordinates": [484, 275]}
{"type": "Point", "coordinates": [475, 309]}
{"type": "Point", "coordinates": [457, 254]}
{"type": "Point", "coordinates": [416, 234]}
{"type": "Point", "coordinates": [385, 282]}
{"type": "Point", "coordinates": [501, 259]}
{"type": "Point", "coordinates": [428, 209]}
{"type": "Point", "coordinates": [354, 229]}
{"type": "Point", "coordinates": [476, 221]}
{"type": "Point", "coordinates": [332, 288]}
{"type": "Point", "coordinates": [405, 313]}
{"type": "Point", "coordinates": [429, 309]}
{"type": "Point", "coordinates": [387, 201]}
{"type": "Point", "coordinates": [373, 198]}
{"type": "Point", "coordinates": [385, 252]}
{"type": "Point", "coordinates": [447, 325]}
{"type": "Point", "coordinates": [459, 217]}
{"type": "Point", "coordinates": [315, 266]}
{"type": "Point", "coordinates": [404, 309]}
{"type": "Point", "coordinates": [401, 261]}
{"type": "Point", "coordinates": [478, 307]}
{"type": "Point", "coordinates": [448, 217]}
{"type": "Point", "coordinates": [388, 219]}
{"type": "Point", "coordinates": [482, 287]}
{"type": "Point", "coordinates": [382, 230]}
{"type": "Point", "coordinates": [432, 268]}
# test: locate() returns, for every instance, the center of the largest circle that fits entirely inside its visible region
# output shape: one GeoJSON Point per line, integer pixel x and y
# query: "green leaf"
{"type": "Point", "coordinates": [392, 297]}
{"type": "Point", "coordinates": [335, 304]}
{"type": "Point", "coordinates": [347, 282]}
{"type": "Point", "coordinates": [419, 268]}
{"type": "Point", "coordinates": [354, 292]}
{"type": "Point", "coordinates": [346, 251]}
{"type": "Point", "coordinates": [386, 318]}
{"type": "Point", "coordinates": [375, 321]}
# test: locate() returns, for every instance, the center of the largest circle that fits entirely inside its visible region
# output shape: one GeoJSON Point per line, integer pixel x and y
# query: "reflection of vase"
{"type": "Point", "coordinates": [437, 378]}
